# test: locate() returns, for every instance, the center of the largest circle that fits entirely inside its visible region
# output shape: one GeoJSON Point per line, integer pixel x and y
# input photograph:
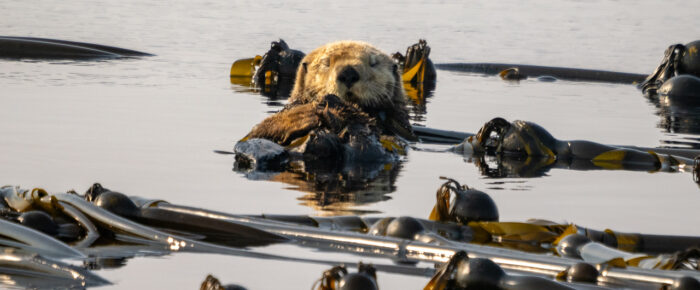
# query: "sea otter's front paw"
{"type": "Point", "coordinates": [260, 155]}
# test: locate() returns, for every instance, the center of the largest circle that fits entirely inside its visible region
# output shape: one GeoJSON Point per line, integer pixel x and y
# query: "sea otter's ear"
{"type": "Point", "coordinates": [299, 82]}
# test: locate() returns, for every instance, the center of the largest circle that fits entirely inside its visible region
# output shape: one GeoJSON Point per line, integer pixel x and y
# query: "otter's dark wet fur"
{"type": "Point", "coordinates": [324, 127]}
{"type": "Point", "coordinates": [333, 119]}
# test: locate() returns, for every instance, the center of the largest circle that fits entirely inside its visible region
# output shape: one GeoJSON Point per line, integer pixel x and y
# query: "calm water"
{"type": "Point", "coordinates": [148, 126]}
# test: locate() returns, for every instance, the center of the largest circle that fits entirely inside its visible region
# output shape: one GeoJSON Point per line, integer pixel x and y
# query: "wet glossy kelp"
{"type": "Point", "coordinates": [131, 227]}
{"type": "Point", "coordinates": [525, 149]}
{"type": "Point", "coordinates": [43, 48]}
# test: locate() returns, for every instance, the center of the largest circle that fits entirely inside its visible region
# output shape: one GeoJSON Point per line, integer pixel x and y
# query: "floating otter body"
{"type": "Point", "coordinates": [348, 104]}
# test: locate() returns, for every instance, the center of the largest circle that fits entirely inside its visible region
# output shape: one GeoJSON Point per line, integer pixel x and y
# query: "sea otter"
{"type": "Point", "coordinates": [348, 103]}
{"type": "Point", "coordinates": [357, 73]}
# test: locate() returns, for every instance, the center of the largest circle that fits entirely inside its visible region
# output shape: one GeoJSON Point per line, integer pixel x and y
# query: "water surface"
{"type": "Point", "coordinates": [148, 126]}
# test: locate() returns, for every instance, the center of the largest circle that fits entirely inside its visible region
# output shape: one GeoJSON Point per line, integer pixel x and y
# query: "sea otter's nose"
{"type": "Point", "coordinates": [348, 76]}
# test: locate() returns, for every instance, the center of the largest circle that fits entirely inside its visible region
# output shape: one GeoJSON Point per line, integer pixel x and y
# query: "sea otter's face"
{"type": "Point", "coordinates": [354, 71]}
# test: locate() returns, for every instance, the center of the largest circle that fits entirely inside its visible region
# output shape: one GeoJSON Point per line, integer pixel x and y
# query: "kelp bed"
{"type": "Point", "coordinates": [55, 240]}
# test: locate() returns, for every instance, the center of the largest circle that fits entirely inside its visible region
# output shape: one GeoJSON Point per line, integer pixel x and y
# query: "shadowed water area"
{"type": "Point", "coordinates": [148, 126]}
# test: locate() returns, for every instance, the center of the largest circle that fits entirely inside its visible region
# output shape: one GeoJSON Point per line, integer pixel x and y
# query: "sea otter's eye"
{"type": "Point", "coordinates": [373, 60]}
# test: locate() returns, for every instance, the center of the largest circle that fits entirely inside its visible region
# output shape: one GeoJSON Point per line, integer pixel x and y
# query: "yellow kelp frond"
{"type": "Point", "coordinates": [610, 159]}
{"type": "Point", "coordinates": [391, 144]}
{"type": "Point", "coordinates": [410, 73]}
{"type": "Point", "coordinates": [245, 67]}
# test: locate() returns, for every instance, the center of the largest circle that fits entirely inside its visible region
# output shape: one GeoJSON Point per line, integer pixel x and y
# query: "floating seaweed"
{"type": "Point", "coordinates": [131, 227]}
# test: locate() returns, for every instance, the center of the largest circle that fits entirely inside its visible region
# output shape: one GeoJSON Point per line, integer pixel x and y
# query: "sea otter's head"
{"type": "Point", "coordinates": [354, 71]}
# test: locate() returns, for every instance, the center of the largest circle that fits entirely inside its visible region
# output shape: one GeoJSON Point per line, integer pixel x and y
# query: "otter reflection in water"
{"type": "Point", "coordinates": [339, 191]}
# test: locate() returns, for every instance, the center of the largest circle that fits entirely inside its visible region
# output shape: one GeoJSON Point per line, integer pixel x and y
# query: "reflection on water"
{"type": "Point", "coordinates": [274, 96]}
{"type": "Point", "coordinates": [418, 94]}
{"type": "Point", "coordinates": [333, 191]}
{"type": "Point", "coordinates": [675, 118]}
{"type": "Point", "coordinates": [340, 193]}
{"type": "Point", "coordinates": [511, 167]}
{"type": "Point", "coordinates": [501, 166]}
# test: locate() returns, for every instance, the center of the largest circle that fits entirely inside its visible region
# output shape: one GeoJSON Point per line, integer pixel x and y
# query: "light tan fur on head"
{"type": "Point", "coordinates": [379, 84]}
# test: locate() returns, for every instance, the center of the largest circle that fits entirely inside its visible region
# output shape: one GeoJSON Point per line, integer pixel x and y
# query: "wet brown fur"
{"type": "Point", "coordinates": [373, 105]}
{"type": "Point", "coordinates": [380, 84]}
{"type": "Point", "coordinates": [328, 114]}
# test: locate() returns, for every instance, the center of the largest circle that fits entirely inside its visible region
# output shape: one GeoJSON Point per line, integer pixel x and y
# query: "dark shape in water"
{"type": "Point", "coordinates": [438, 136]}
{"type": "Point", "coordinates": [357, 281]}
{"type": "Point", "coordinates": [525, 71]}
{"type": "Point", "coordinates": [690, 59]}
{"type": "Point", "coordinates": [339, 278]}
{"type": "Point", "coordinates": [39, 221]}
{"type": "Point", "coordinates": [677, 104]}
{"type": "Point", "coordinates": [521, 140]}
{"type": "Point", "coordinates": [44, 48]}
{"type": "Point", "coordinates": [462, 272]}
{"type": "Point", "coordinates": [479, 273]}
{"type": "Point", "coordinates": [277, 71]}
{"type": "Point", "coordinates": [678, 60]}
{"type": "Point", "coordinates": [404, 227]}
{"type": "Point", "coordinates": [468, 204]}
{"type": "Point", "coordinates": [211, 283]}
{"type": "Point", "coordinates": [417, 67]}
{"type": "Point", "coordinates": [685, 283]}
{"type": "Point", "coordinates": [681, 90]}
{"type": "Point", "coordinates": [582, 272]}
{"type": "Point", "coordinates": [569, 246]}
